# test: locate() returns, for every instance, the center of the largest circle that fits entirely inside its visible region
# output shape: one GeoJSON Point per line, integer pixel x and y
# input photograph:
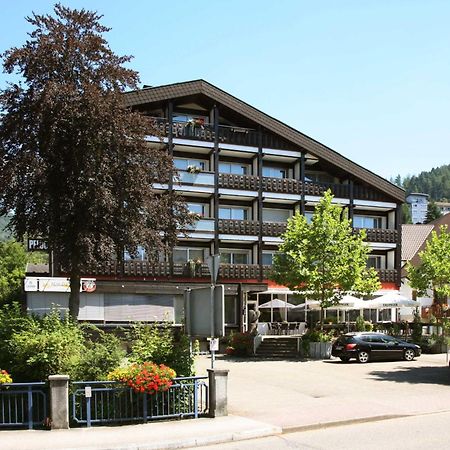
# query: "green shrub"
{"type": "Point", "coordinates": [47, 346]}
{"type": "Point", "coordinates": [158, 344]}
{"type": "Point", "coordinates": [360, 324]}
{"type": "Point", "coordinates": [417, 328]}
{"type": "Point", "coordinates": [100, 356]}
{"type": "Point", "coordinates": [368, 326]}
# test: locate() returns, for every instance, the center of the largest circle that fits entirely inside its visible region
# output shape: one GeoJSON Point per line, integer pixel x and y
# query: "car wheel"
{"type": "Point", "coordinates": [409, 354]}
{"type": "Point", "coordinates": [345, 359]}
{"type": "Point", "coordinates": [363, 356]}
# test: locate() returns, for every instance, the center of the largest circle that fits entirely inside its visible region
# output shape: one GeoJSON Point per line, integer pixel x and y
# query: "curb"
{"type": "Point", "coordinates": [339, 423]}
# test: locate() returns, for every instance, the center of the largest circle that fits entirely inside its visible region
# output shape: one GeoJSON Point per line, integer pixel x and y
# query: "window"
{"type": "Point", "coordinates": [376, 261]}
{"type": "Point", "coordinates": [318, 177]}
{"type": "Point", "coordinates": [140, 255]}
{"type": "Point", "coordinates": [276, 215]}
{"type": "Point", "coordinates": [184, 254]}
{"type": "Point", "coordinates": [367, 222]}
{"type": "Point", "coordinates": [184, 163]}
{"type": "Point", "coordinates": [234, 168]}
{"type": "Point", "coordinates": [234, 213]}
{"type": "Point", "coordinates": [230, 310]}
{"type": "Point", "coordinates": [267, 257]}
{"type": "Point", "coordinates": [274, 172]}
{"type": "Point", "coordinates": [309, 216]}
{"type": "Point", "coordinates": [202, 209]}
{"type": "Point", "coordinates": [232, 256]}
{"type": "Point", "coordinates": [185, 117]}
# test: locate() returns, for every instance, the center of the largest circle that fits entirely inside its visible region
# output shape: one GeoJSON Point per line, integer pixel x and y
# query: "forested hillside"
{"type": "Point", "coordinates": [435, 183]}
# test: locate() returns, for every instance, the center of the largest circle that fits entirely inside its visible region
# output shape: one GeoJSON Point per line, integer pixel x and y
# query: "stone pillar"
{"type": "Point", "coordinates": [59, 401]}
{"type": "Point", "coordinates": [218, 397]}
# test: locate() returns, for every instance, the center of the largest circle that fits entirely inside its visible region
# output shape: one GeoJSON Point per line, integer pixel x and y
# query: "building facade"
{"type": "Point", "coordinates": [243, 174]}
{"type": "Point", "coordinates": [418, 203]}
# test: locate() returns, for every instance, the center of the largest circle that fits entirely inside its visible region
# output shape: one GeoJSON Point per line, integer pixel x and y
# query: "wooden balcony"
{"type": "Point", "coordinates": [381, 235]}
{"type": "Point", "coordinates": [227, 134]}
{"type": "Point", "coordinates": [246, 227]}
{"type": "Point", "coordinates": [387, 275]}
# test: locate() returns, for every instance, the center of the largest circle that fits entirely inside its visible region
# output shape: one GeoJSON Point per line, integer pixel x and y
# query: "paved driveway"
{"type": "Point", "coordinates": [302, 393]}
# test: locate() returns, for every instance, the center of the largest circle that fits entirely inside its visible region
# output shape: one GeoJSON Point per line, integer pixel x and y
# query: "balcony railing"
{"type": "Point", "coordinates": [227, 134]}
{"type": "Point", "coordinates": [192, 270]}
{"type": "Point", "coordinates": [291, 186]}
{"type": "Point", "coordinates": [246, 227]}
{"type": "Point", "coordinates": [381, 235]}
{"type": "Point", "coordinates": [387, 275]}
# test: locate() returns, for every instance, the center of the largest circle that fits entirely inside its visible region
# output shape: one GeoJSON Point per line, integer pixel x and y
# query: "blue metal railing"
{"type": "Point", "coordinates": [101, 402]}
{"type": "Point", "coordinates": [23, 404]}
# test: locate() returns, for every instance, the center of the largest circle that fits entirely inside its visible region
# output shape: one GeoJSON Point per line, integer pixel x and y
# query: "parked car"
{"type": "Point", "coordinates": [365, 347]}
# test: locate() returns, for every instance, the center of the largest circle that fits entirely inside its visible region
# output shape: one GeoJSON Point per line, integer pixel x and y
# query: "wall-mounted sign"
{"type": "Point", "coordinates": [37, 245]}
{"type": "Point", "coordinates": [57, 284]}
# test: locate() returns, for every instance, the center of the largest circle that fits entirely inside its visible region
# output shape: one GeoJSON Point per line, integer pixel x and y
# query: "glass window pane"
{"type": "Point", "coordinates": [230, 309]}
{"type": "Point", "coordinates": [180, 164]}
{"type": "Point", "coordinates": [224, 168]}
{"type": "Point", "coordinates": [240, 258]}
{"type": "Point", "coordinates": [267, 259]}
{"type": "Point", "coordinates": [225, 258]}
{"type": "Point", "coordinates": [196, 208]}
{"type": "Point", "coordinates": [196, 254]}
{"type": "Point", "coordinates": [180, 255]}
{"type": "Point", "coordinates": [224, 213]}
{"type": "Point", "coordinates": [238, 214]}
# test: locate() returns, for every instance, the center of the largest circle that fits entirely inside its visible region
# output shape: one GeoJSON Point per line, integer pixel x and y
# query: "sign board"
{"type": "Point", "coordinates": [56, 284]}
{"type": "Point", "coordinates": [37, 244]}
{"type": "Point", "coordinates": [200, 319]}
{"type": "Point", "coordinates": [88, 392]}
{"type": "Point", "coordinates": [214, 345]}
{"type": "Point", "coordinates": [213, 262]}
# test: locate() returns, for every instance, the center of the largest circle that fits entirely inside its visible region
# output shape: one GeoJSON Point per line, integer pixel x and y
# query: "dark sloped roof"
{"type": "Point", "coordinates": [172, 91]}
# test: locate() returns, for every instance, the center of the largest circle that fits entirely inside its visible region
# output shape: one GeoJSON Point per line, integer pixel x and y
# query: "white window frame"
{"type": "Point", "coordinates": [236, 251]}
{"type": "Point", "coordinates": [285, 170]}
{"type": "Point", "coordinates": [381, 219]}
{"type": "Point", "coordinates": [203, 164]}
{"type": "Point", "coordinates": [204, 206]}
{"type": "Point", "coordinates": [245, 166]}
{"type": "Point", "coordinates": [246, 210]}
{"type": "Point", "coordinates": [269, 252]}
{"type": "Point", "coordinates": [380, 258]}
{"type": "Point", "coordinates": [278, 209]}
{"type": "Point", "coordinates": [188, 249]}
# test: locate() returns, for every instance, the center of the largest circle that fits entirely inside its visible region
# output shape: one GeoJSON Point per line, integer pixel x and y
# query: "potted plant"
{"type": "Point", "coordinates": [193, 169]}
{"type": "Point", "coordinates": [317, 344]}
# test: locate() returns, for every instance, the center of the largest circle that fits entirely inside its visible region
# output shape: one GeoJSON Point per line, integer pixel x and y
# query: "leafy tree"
{"type": "Point", "coordinates": [433, 272]}
{"type": "Point", "coordinates": [324, 260]}
{"type": "Point", "coordinates": [433, 212]}
{"type": "Point", "coordinates": [75, 167]}
{"type": "Point", "coordinates": [406, 213]}
{"type": "Point", "coordinates": [13, 259]}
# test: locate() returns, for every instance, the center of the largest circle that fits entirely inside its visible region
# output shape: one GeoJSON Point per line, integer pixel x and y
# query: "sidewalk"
{"type": "Point", "coordinates": [157, 435]}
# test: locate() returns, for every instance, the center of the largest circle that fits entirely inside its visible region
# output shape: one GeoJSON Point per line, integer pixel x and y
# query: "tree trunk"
{"type": "Point", "coordinates": [321, 319]}
{"type": "Point", "coordinates": [74, 299]}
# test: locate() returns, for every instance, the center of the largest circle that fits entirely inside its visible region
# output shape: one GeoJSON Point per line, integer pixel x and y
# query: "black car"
{"type": "Point", "coordinates": [368, 346]}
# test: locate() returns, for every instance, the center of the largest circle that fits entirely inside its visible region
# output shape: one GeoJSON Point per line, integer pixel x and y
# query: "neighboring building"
{"type": "Point", "coordinates": [414, 239]}
{"type": "Point", "coordinates": [244, 174]}
{"type": "Point", "coordinates": [444, 207]}
{"type": "Point", "coordinates": [418, 204]}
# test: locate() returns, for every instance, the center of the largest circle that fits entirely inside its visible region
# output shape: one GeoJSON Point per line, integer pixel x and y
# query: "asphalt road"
{"type": "Point", "coordinates": [422, 432]}
{"type": "Point", "coordinates": [293, 394]}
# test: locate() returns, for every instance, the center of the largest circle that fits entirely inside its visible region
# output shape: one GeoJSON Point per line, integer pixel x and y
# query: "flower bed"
{"type": "Point", "coordinates": [146, 377]}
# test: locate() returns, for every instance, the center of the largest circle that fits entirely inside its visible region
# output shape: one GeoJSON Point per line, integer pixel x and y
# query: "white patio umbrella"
{"type": "Point", "coordinates": [391, 300]}
{"type": "Point", "coordinates": [276, 303]}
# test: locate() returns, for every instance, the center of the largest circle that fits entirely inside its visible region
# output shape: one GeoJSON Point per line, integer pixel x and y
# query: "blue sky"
{"type": "Point", "coordinates": [370, 79]}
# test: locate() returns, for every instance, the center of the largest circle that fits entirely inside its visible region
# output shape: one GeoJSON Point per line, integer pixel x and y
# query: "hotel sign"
{"type": "Point", "coordinates": [56, 284]}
